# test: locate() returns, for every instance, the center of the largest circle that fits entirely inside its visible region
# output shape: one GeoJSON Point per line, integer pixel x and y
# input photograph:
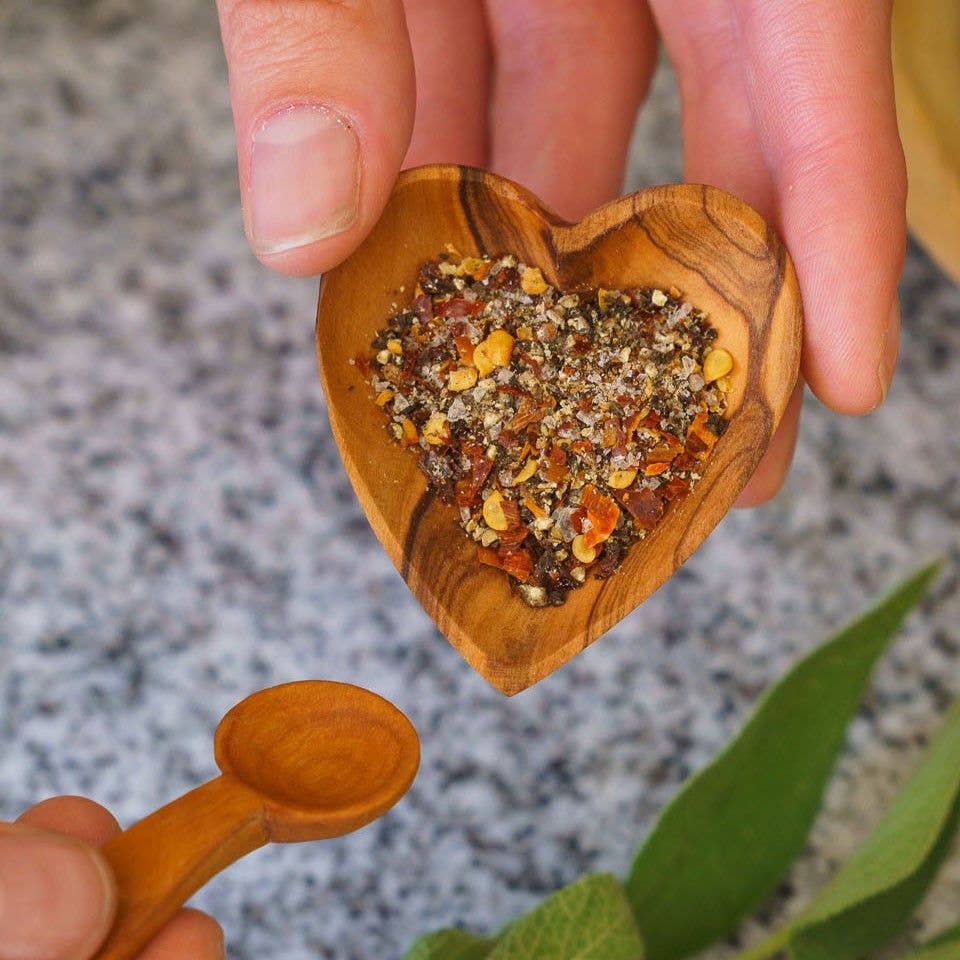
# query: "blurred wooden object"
{"type": "Point", "coordinates": [926, 69]}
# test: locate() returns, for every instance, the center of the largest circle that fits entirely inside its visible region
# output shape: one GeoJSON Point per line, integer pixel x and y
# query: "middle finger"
{"type": "Point", "coordinates": [451, 54]}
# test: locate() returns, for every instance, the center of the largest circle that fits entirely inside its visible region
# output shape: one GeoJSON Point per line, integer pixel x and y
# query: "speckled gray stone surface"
{"type": "Point", "coordinates": [176, 531]}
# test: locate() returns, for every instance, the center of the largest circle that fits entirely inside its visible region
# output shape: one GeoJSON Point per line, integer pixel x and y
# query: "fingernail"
{"type": "Point", "coordinates": [304, 178]}
{"type": "Point", "coordinates": [53, 896]}
{"type": "Point", "coordinates": [890, 349]}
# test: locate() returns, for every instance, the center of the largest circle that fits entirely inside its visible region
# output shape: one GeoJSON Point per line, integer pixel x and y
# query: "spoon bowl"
{"type": "Point", "coordinates": [301, 761]}
{"type": "Point", "coordinates": [325, 757]}
{"type": "Point", "coordinates": [709, 245]}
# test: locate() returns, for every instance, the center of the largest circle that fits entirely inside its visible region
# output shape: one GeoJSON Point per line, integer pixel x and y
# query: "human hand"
{"type": "Point", "coordinates": [787, 103]}
{"type": "Point", "coordinates": [57, 895]}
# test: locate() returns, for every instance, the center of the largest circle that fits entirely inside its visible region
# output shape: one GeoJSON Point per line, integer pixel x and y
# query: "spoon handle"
{"type": "Point", "coordinates": [160, 862]}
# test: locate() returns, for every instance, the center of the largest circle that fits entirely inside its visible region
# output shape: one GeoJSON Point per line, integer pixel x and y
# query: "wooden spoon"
{"type": "Point", "coordinates": [301, 761]}
{"type": "Point", "coordinates": [708, 244]}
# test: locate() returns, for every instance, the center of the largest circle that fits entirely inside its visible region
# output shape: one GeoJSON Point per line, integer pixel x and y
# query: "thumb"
{"type": "Point", "coordinates": [57, 896]}
{"type": "Point", "coordinates": [323, 99]}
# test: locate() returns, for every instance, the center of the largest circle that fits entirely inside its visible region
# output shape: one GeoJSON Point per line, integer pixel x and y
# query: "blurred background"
{"type": "Point", "coordinates": [176, 531]}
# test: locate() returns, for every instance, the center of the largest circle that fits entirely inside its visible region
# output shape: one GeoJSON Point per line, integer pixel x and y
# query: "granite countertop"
{"type": "Point", "coordinates": [176, 531]}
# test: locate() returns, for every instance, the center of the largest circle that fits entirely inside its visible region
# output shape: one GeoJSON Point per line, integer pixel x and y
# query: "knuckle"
{"type": "Point", "coordinates": [263, 32]}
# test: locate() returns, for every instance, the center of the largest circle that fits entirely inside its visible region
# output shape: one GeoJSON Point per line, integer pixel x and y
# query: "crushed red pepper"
{"type": "Point", "coordinates": [560, 425]}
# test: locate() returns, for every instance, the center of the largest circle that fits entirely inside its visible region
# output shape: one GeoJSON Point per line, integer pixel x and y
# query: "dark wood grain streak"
{"type": "Point", "coordinates": [466, 205]}
{"type": "Point", "coordinates": [728, 234]}
{"type": "Point", "coordinates": [704, 242]}
{"type": "Point", "coordinates": [416, 516]}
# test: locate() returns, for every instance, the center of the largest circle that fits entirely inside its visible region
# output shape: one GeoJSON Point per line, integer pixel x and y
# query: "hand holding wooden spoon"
{"type": "Point", "coordinates": [59, 896]}
{"type": "Point", "coordinates": [302, 761]}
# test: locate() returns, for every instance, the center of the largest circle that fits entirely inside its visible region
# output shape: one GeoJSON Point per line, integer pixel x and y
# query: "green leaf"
{"type": "Point", "coordinates": [874, 894]}
{"type": "Point", "coordinates": [728, 837]}
{"type": "Point", "coordinates": [589, 920]}
{"type": "Point", "coordinates": [450, 944]}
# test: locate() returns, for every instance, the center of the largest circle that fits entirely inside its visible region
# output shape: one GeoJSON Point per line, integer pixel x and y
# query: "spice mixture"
{"type": "Point", "coordinates": [561, 426]}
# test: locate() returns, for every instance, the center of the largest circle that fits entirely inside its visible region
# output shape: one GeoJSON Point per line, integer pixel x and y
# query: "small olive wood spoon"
{"type": "Point", "coordinates": [302, 761]}
{"type": "Point", "coordinates": [711, 246]}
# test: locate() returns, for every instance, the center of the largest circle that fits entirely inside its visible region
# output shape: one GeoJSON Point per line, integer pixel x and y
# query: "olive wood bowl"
{"type": "Point", "coordinates": [711, 246]}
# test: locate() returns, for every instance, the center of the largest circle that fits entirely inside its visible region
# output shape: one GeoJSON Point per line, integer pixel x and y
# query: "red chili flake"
{"type": "Point", "coordinates": [518, 563]}
{"type": "Point", "coordinates": [458, 307]}
{"type": "Point", "coordinates": [530, 411]}
{"type": "Point", "coordinates": [468, 488]}
{"type": "Point", "coordinates": [651, 421]}
{"type": "Point", "coordinates": [643, 505]}
{"type": "Point", "coordinates": [602, 513]}
{"type": "Point", "coordinates": [511, 510]}
{"type": "Point", "coordinates": [700, 438]}
{"type": "Point", "coordinates": [489, 556]}
{"type": "Point", "coordinates": [362, 362]}
{"type": "Point", "coordinates": [577, 518]}
{"type": "Point", "coordinates": [674, 488]}
{"type": "Point", "coordinates": [513, 536]}
{"type": "Point", "coordinates": [533, 363]}
{"type": "Point", "coordinates": [555, 467]}
{"type": "Point", "coordinates": [667, 447]}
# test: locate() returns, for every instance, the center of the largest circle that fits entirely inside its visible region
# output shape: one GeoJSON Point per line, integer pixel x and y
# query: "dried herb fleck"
{"type": "Point", "coordinates": [561, 426]}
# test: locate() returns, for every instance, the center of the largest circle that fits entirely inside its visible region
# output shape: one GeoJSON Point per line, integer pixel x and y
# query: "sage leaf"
{"type": "Point", "coordinates": [876, 891]}
{"type": "Point", "coordinates": [450, 944]}
{"type": "Point", "coordinates": [721, 846]}
{"type": "Point", "coordinates": [589, 920]}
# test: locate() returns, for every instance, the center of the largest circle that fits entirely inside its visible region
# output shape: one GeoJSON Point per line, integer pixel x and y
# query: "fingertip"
{"type": "Point", "coordinates": [762, 487]}
{"type": "Point", "coordinates": [57, 895]}
{"type": "Point", "coordinates": [772, 470]}
{"type": "Point", "coordinates": [74, 816]}
{"type": "Point", "coordinates": [190, 933]}
{"type": "Point", "coordinates": [848, 382]}
{"type": "Point", "coordinates": [312, 258]}
{"type": "Point", "coordinates": [849, 353]}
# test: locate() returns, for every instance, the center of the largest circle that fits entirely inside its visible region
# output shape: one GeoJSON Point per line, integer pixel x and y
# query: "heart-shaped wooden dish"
{"type": "Point", "coordinates": [712, 247]}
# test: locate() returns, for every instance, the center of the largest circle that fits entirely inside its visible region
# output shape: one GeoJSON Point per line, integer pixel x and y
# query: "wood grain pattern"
{"type": "Point", "coordinates": [708, 244]}
{"type": "Point", "coordinates": [301, 761]}
{"type": "Point", "coordinates": [926, 70]}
